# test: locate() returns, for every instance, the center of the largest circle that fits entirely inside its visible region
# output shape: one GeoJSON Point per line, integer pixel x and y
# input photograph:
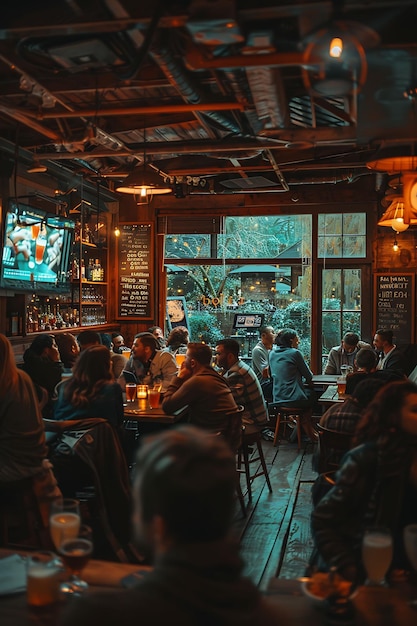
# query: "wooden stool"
{"type": "Point", "coordinates": [285, 415]}
{"type": "Point", "coordinates": [248, 440]}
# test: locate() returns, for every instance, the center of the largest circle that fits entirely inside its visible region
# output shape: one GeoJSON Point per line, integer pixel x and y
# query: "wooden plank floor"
{"type": "Point", "coordinates": [275, 535]}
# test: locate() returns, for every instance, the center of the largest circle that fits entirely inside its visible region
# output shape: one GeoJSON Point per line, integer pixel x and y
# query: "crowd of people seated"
{"type": "Point", "coordinates": [377, 479]}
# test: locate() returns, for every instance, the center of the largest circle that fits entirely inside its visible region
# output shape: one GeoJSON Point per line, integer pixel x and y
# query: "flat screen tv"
{"type": "Point", "coordinates": [248, 321]}
{"type": "Point", "coordinates": [36, 250]}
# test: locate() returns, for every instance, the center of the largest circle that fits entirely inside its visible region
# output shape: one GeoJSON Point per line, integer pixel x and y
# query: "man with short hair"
{"type": "Point", "coordinates": [199, 386]}
{"type": "Point", "coordinates": [149, 364]}
{"type": "Point", "coordinates": [184, 504]}
{"type": "Point", "coordinates": [260, 360]}
{"type": "Point", "coordinates": [390, 357]}
{"type": "Point", "coordinates": [245, 387]}
{"type": "Point", "coordinates": [42, 362]}
{"type": "Point", "coordinates": [344, 354]}
{"type": "Point", "coordinates": [117, 341]}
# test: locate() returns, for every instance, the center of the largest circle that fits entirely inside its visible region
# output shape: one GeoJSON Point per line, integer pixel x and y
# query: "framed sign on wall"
{"type": "Point", "coordinates": [394, 308]}
{"type": "Point", "coordinates": [135, 263]}
{"type": "Point", "coordinates": [177, 312]}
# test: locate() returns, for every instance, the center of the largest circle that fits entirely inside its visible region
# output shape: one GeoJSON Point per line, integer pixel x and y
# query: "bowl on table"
{"type": "Point", "coordinates": [321, 586]}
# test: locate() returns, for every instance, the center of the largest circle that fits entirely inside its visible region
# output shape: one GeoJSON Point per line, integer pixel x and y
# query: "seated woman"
{"type": "Point", "coordinates": [22, 438]}
{"type": "Point", "coordinates": [289, 371]}
{"type": "Point", "coordinates": [179, 336]}
{"type": "Point", "coordinates": [375, 485]}
{"type": "Point", "coordinates": [91, 391]}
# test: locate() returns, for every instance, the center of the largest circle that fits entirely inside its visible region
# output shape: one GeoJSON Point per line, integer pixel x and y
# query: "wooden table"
{"type": "Point", "coordinates": [330, 396]}
{"type": "Point", "coordinates": [321, 381]}
{"type": "Point", "coordinates": [139, 411]}
{"type": "Point", "coordinates": [373, 606]}
{"type": "Point", "coordinates": [102, 576]}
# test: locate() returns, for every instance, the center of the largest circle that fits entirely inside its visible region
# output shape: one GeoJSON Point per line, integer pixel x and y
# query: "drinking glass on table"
{"type": "Point", "coordinates": [377, 554]}
{"type": "Point", "coordinates": [130, 392]}
{"type": "Point", "coordinates": [410, 545]}
{"type": "Point", "coordinates": [64, 520]}
{"type": "Point", "coordinates": [75, 553]}
{"type": "Point", "coordinates": [154, 396]}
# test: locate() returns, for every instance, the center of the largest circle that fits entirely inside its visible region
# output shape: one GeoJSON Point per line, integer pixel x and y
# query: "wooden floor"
{"type": "Point", "coordinates": [275, 535]}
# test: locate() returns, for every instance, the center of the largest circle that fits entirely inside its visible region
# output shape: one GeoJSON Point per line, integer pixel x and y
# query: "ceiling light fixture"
{"type": "Point", "coordinates": [397, 216]}
{"type": "Point", "coordinates": [395, 245]}
{"type": "Point", "coordinates": [144, 183]}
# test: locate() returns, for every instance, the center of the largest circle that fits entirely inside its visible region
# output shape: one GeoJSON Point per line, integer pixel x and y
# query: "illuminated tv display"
{"type": "Point", "coordinates": [248, 321]}
{"type": "Point", "coordinates": [36, 249]}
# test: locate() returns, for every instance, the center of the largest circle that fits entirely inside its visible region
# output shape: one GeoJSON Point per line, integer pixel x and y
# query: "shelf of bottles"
{"type": "Point", "coordinates": [85, 304]}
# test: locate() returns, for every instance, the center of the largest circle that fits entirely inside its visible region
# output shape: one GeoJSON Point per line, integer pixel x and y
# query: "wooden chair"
{"type": "Point", "coordinates": [332, 445]}
{"type": "Point", "coordinates": [244, 455]}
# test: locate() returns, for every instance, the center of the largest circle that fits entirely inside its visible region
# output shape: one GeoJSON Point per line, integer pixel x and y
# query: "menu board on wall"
{"type": "Point", "coordinates": [135, 272]}
{"type": "Point", "coordinates": [394, 305]}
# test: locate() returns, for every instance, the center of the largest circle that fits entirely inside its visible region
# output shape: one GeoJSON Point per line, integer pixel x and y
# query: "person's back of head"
{"type": "Point", "coordinates": [381, 420]}
{"type": "Point", "coordinates": [231, 346]}
{"type": "Point", "coordinates": [105, 340]}
{"type": "Point", "coordinates": [366, 390]}
{"type": "Point", "coordinates": [179, 336]}
{"type": "Point", "coordinates": [91, 371]}
{"type": "Point", "coordinates": [200, 352]}
{"type": "Point", "coordinates": [88, 338]}
{"type": "Point", "coordinates": [187, 477]}
{"type": "Point", "coordinates": [366, 359]}
{"type": "Point", "coordinates": [285, 336]}
{"type": "Point", "coordinates": [68, 348]}
{"type": "Point", "coordinates": [41, 342]}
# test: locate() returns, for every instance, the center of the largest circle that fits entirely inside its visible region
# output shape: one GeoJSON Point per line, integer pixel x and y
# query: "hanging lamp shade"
{"type": "Point", "coordinates": [394, 159]}
{"type": "Point", "coordinates": [397, 216]}
{"type": "Point", "coordinates": [144, 183]}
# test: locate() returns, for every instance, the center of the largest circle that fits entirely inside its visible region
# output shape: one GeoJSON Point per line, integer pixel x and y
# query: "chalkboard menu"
{"type": "Point", "coordinates": [394, 305]}
{"type": "Point", "coordinates": [135, 271]}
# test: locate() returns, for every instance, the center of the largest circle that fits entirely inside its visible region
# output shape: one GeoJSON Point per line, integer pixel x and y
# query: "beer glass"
{"type": "Point", "coordinates": [130, 392]}
{"type": "Point", "coordinates": [75, 554]}
{"type": "Point", "coordinates": [376, 554]}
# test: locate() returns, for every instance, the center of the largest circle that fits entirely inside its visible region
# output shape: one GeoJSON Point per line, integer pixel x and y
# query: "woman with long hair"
{"type": "Point", "coordinates": [376, 484]}
{"type": "Point", "coordinates": [91, 391]}
{"type": "Point", "coordinates": [22, 437]}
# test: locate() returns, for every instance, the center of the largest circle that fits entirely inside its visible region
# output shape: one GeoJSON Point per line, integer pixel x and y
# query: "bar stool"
{"type": "Point", "coordinates": [244, 454]}
{"type": "Point", "coordinates": [287, 415]}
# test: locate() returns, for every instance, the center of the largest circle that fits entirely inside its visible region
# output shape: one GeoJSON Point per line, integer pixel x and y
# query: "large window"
{"type": "Point", "coordinates": [263, 264]}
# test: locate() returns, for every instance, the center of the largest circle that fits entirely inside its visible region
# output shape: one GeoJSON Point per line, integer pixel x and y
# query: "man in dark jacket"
{"type": "Point", "coordinates": [183, 508]}
{"type": "Point", "coordinates": [207, 394]}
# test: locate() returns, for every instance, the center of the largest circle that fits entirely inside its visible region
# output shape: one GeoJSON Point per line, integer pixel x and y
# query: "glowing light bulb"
{"type": "Point", "coordinates": [336, 48]}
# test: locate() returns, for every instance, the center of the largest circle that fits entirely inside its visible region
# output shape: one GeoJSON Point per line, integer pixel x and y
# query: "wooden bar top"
{"type": "Point", "coordinates": [102, 576]}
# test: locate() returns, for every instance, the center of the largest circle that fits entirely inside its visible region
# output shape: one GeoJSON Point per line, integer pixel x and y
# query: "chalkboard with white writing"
{"type": "Point", "coordinates": [394, 305]}
{"type": "Point", "coordinates": [135, 272]}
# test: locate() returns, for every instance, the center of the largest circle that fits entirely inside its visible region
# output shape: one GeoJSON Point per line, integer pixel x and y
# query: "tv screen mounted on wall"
{"type": "Point", "coordinates": [36, 249]}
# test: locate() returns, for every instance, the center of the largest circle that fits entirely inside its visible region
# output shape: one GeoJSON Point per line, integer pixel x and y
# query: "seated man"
{"type": "Point", "coordinates": [260, 360]}
{"type": "Point", "coordinates": [365, 364]}
{"type": "Point", "coordinates": [390, 356]}
{"type": "Point", "coordinates": [183, 509]}
{"type": "Point", "coordinates": [206, 393]}
{"type": "Point", "coordinates": [344, 417]}
{"type": "Point", "coordinates": [149, 364]}
{"type": "Point", "coordinates": [344, 354]}
{"type": "Point", "coordinates": [245, 387]}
